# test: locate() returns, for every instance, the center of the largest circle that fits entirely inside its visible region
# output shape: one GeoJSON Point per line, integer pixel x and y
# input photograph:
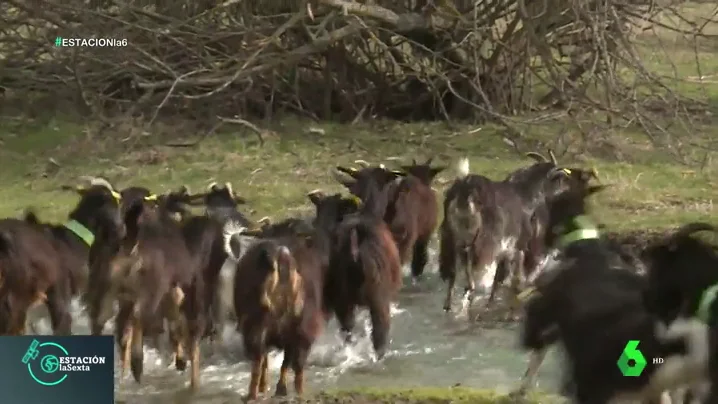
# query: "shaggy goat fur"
{"type": "Point", "coordinates": [278, 303]}
{"type": "Point", "coordinates": [364, 265]}
{"type": "Point", "coordinates": [412, 209]}
{"type": "Point", "coordinates": [47, 263]}
{"type": "Point", "coordinates": [160, 277]}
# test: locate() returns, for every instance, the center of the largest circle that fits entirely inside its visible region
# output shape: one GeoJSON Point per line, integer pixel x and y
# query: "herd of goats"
{"type": "Point", "coordinates": [161, 270]}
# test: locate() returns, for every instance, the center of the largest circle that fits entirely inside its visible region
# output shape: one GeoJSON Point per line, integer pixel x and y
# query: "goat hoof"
{"type": "Point", "coordinates": [281, 390]}
{"type": "Point", "coordinates": [180, 364]}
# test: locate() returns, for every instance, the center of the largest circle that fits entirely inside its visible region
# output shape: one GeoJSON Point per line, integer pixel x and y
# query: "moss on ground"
{"type": "Point", "coordinates": [455, 395]}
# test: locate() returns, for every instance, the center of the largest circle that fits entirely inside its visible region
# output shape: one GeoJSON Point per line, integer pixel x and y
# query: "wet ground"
{"type": "Point", "coordinates": [428, 349]}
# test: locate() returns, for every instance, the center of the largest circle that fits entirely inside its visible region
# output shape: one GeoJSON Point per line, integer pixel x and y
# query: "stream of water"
{"type": "Point", "coordinates": [428, 349]}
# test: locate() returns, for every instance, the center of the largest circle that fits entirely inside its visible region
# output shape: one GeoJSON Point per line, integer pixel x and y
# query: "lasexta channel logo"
{"type": "Point", "coordinates": [50, 364]}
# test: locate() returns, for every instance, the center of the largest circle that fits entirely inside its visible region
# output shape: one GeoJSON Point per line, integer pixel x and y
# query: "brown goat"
{"type": "Point", "coordinates": [158, 278]}
{"type": "Point", "coordinates": [364, 264]}
{"type": "Point", "coordinates": [278, 291]}
{"type": "Point", "coordinates": [412, 209]}
{"type": "Point", "coordinates": [45, 263]}
{"type": "Point", "coordinates": [99, 297]}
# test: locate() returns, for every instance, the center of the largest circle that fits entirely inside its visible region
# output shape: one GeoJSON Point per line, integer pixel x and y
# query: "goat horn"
{"type": "Point", "coordinates": [98, 181]}
{"type": "Point", "coordinates": [228, 185]}
{"type": "Point", "coordinates": [315, 192]}
{"type": "Point", "coordinates": [594, 173]}
{"type": "Point", "coordinates": [265, 220]}
{"type": "Point", "coordinates": [553, 157]}
{"type": "Point", "coordinates": [211, 185]}
{"type": "Point", "coordinates": [693, 228]}
{"type": "Point", "coordinates": [338, 177]}
{"type": "Point", "coordinates": [536, 156]}
{"type": "Point", "coordinates": [362, 163]}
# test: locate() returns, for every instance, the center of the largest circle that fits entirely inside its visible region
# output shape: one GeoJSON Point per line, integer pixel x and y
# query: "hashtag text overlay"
{"type": "Point", "coordinates": [89, 42]}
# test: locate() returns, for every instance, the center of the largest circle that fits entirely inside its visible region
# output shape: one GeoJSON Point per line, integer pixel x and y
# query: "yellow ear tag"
{"type": "Point", "coordinates": [352, 169]}
{"type": "Point", "coordinates": [116, 195]}
{"type": "Point", "coordinates": [152, 197]}
{"type": "Point", "coordinates": [356, 200]}
{"type": "Point", "coordinates": [566, 170]}
{"type": "Point", "coordinates": [523, 296]}
{"type": "Point", "coordinates": [397, 172]}
{"type": "Point", "coordinates": [80, 188]}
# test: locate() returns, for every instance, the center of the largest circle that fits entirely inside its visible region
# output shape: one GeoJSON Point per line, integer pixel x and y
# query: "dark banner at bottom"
{"type": "Point", "coordinates": [57, 370]}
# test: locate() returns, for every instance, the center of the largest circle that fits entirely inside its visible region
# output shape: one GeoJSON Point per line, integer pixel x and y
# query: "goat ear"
{"type": "Point", "coordinates": [595, 188]}
{"type": "Point", "coordinates": [436, 170]}
{"type": "Point", "coordinates": [316, 196]}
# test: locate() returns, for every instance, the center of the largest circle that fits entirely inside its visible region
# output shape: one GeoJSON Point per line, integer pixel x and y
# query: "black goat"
{"type": "Point", "coordinates": [48, 263]}
{"type": "Point", "coordinates": [594, 310]}
{"type": "Point", "coordinates": [490, 227]}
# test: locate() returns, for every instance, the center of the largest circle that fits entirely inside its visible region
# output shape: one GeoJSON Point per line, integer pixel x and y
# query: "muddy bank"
{"type": "Point", "coordinates": [417, 396]}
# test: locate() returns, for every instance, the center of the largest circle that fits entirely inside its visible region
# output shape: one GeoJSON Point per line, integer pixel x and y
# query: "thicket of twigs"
{"type": "Point", "coordinates": [341, 59]}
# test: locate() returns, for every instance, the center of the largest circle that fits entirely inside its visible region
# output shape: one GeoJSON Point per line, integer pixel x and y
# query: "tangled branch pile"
{"type": "Point", "coordinates": [338, 59]}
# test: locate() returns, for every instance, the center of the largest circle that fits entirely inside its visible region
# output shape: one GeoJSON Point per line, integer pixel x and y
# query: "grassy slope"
{"type": "Point", "coordinates": [652, 192]}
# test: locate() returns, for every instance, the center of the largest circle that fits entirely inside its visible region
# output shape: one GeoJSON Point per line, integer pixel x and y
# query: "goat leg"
{"type": "Point", "coordinates": [257, 365]}
{"type": "Point", "coordinates": [281, 389]}
{"type": "Point", "coordinates": [517, 280]}
{"type": "Point", "coordinates": [136, 349]}
{"type": "Point", "coordinates": [468, 297]}
{"type": "Point", "coordinates": [535, 360]}
{"type": "Point", "coordinates": [300, 360]}
{"type": "Point", "coordinates": [449, 293]}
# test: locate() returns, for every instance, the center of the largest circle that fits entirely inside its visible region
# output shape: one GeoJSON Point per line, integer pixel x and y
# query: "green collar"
{"type": "Point", "coordinates": [708, 297]}
{"type": "Point", "coordinates": [80, 231]}
{"type": "Point", "coordinates": [584, 229]}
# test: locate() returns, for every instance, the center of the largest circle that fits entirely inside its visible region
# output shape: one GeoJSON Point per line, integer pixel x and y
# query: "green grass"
{"type": "Point", "coordinates": [649, 190]}
{"type": "Point", "coordinates": [429, 395]}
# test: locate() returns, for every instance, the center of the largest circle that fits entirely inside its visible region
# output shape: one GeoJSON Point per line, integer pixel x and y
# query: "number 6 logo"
{"type": "Point", "coordinates": [631, 353]}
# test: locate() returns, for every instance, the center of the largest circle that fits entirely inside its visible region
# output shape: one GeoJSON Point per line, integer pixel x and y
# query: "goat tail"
{"type": "Point", "coordinates": [284, 284]}
{"type": "Point", "coordinates": [230, 233]}
{"type": "Point", "coordinates": [462, 168]}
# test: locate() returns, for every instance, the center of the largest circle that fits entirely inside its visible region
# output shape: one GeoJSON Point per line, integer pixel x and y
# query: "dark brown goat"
{"type": "Point", "coordinates": [45, 263]}
{"type": "Point", "coordinates": [158, 277]}
{"type": "Point", "coordinates": [490, 227]}
{"type": "Point", "coordinates": [278, 292]}
{"type": "Point", "coordinates": [412, 208]}
{"type": "Point", "coordinates": [364, 264]}
{"type": "Point", "coordinates": [100, 294]}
